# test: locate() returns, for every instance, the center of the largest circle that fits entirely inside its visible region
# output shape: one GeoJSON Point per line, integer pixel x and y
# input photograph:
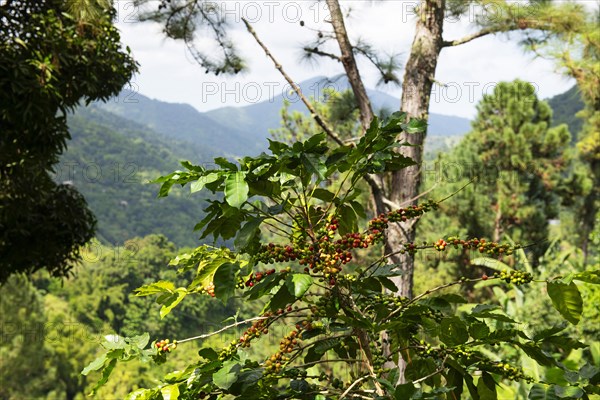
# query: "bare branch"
{"type": "Point", "coordinates": [222, 329]}
{"type": "Point", "coordinates": [349, 62]}
{"type": "Point", "coordinates": [294, 86]}
{"type": "Point", "coordinates": [468, 38]}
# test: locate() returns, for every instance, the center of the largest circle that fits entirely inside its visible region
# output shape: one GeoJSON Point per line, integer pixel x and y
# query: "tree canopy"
{"type": "Point", "coordinates": [50, 61]}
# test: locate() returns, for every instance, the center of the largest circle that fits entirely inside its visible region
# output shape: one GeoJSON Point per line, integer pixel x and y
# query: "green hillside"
{"type": "Point", "coordinates": [110, 160]}
{"type": "Point", "coordinates": [565, 106]}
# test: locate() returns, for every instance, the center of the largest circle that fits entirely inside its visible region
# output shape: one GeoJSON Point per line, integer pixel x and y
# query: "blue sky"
{"type": "Point", "coordinates": [169, 73]}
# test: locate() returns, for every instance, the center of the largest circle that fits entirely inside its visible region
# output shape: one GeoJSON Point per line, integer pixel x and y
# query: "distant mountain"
{"type": "Point", "coordinates": [118, 146]}
{"type": "Point", "coordinates": [565, 106]}
{"type": "Point", "coordinates": [110, 160]}
{"type": "Point", "coordinates": [207, 138]}
{"type": "Point", "coordinates": [261, 117]}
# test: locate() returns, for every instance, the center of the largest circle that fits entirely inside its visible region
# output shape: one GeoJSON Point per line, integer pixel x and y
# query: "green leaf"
{"type": "Point", "coordinates": [405, 391]}
{"type": "Point", "coordinates": [248, 232]}
{"type": "Point", "coordinates": [95, 365]}
{"type": "Point", "coordinates": [453, 331]}
{"type": "Point", "coordinates": [543, 334]}
{"type": "Point", "coordinates": [415, 126]}
{"type": "Point", "coordinates": [348, 219]}
{"type": "Point", "coordinates": [479, 330]}
{"type": "Point", "coordinates": [486, 387]}
{"type": "Point", "coordinates": [536, 353]}
{"type": "Point", "coordinates": [298, 284]}
{"type": "Point", "coordinates": [454, 378]}
{"type": "Point", "coordinates": [105, 375]}
{"type": "Point", "coordinates": [113, 342]}
{"type": "Point", "coordinates": [141, 394]}
{"type": "Point", "coordinates": [155, 288]}
{"type": "Point", "coordinates": [315, 352]}
{"type": "Point", "coordinates": [170, 392]}
{"type": "Point", "coordinates": [227, 375]}
{"type": "Point", "coordinates": [314, 165]}
{"type": "Point", "coordinates": [225, 164]}
{"type": "Point", "coordinates": [225, 281]}
{"type": "Point", "coordinates": [172, 301]}
{"type": "Point", "coordinates": [140, 341]}
{"type": "Point", "coordinates": [323, 194]}
{"type": "Point", "coordinates": [569, 392]}
{"type": "Point", "coordinates": [208, 353]}
{"type": "Point", "coordinates": [282, 298]}
{"type": "Point", "coordinates": [236, 189]}
{"type": "Point", "coordinates": [566, 299]}
{"type": "Point", "coordinates": [588, 276]}
{"type": "Point", "coordinates": [299, 385]}
{"type": "Point", "coordinates": [541, 392]}
{"type": "Point", "coordinates": [198, 185]}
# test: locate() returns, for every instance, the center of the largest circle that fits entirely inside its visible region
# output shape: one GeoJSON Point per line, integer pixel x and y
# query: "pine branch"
{"type": "Point", "coordinates": [318, 52]}
{"type": "Point", "coordinates": [468, 38]}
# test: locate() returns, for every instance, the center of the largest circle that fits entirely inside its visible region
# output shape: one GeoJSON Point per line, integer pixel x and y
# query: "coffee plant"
{"type": "Point", "coordinates": [326, 287]}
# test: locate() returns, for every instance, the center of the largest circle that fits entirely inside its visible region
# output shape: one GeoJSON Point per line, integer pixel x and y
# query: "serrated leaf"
{"type": "Point", "coordinates": [236, 189]}
{"type": "Point", "coordinates": [566, 299]}
{"type": "Point", "coordinates": [298, 284]}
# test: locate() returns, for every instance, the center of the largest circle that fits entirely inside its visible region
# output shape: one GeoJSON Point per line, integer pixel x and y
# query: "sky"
{"type": "Point", "coordinates": [465, 73]}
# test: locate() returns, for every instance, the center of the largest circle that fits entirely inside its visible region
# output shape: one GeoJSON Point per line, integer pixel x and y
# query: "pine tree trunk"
{"type": "Point", "coordinates": [416, 89]}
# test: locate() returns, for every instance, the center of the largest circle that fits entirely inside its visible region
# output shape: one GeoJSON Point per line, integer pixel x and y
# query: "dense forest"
{"type": "Point", "coordinates": [150, 251]}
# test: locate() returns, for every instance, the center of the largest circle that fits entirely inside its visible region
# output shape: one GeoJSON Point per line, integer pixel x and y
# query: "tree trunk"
{"type": "Point", "coordinates": [416, 89]}
{"type": "Point", "coordinates": [404, 186]}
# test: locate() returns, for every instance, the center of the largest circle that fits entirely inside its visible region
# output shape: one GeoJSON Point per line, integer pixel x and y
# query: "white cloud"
{"type": "Point", "coordinates": [169, 73]}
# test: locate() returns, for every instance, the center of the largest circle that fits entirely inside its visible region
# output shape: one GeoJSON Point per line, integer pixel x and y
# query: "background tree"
{"type": "Point", "coordinates": [50, 60]}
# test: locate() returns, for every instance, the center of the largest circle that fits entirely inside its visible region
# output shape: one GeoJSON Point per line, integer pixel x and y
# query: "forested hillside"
{"type": "Point", "coordinates": [111, 160]}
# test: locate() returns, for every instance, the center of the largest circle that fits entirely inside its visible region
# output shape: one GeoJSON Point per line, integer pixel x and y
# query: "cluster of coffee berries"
{"type": "Point", "coordinates": [254, 278]}
{"type": "Point", "coordinates": [483, 246]}
{"type": "Point", "coordinates": [506, 370]}
{"type": "Point", "coordinates": [380, 223]}
{"type": "Point", "coordinates": [440, 245]}
{"type": "Point", "coordinates": [258, 328]}
{"type": "Point", "coordinates": [515, 277]}
{"type": "Point", "coordinates": [287, 345]}
{"type": "Point", "coordinates": [273, 253]}
{"type": "Point", "coordinates": [210, 289]}
{"type": "Point", "coordinates": [166, 346]}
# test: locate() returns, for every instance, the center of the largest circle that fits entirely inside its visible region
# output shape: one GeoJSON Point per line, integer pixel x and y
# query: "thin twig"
{"type": "Point", "coordinates": [313, 111]}
{"type": "Point", "coordinates": [356, 382]}
{"type": "Point", "coordinates": [222, 329]}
